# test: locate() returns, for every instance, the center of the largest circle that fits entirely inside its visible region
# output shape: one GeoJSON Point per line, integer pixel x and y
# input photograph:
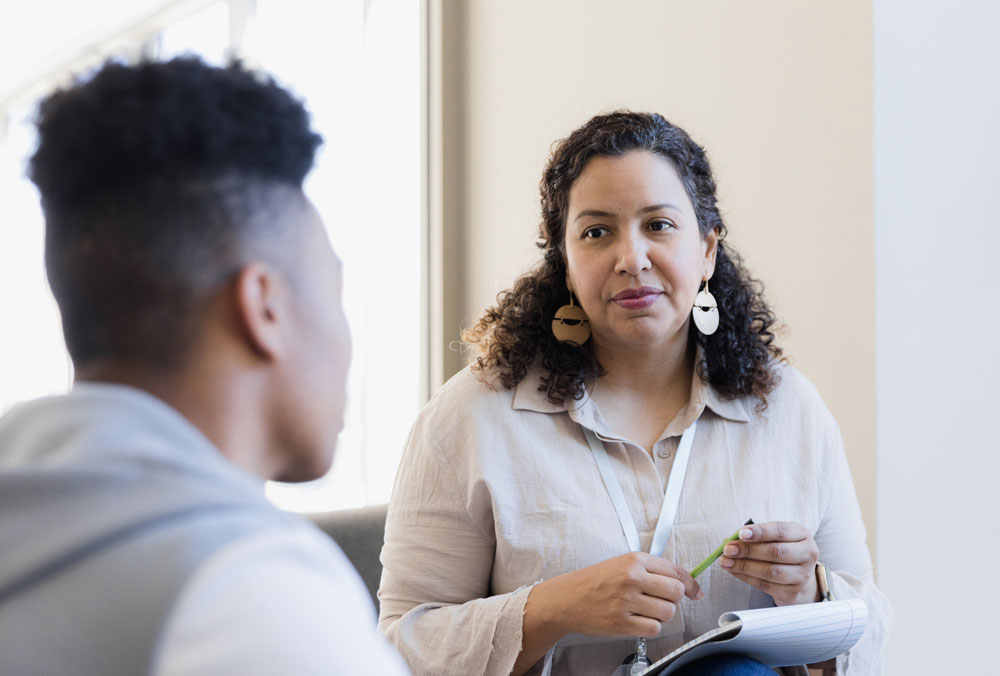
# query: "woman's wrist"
{"type": "Point", "coordinates": [814, 593]}
{"type": "Point", "coordinates": [546, 608]}
{"type": "Point", "coordinates": [544, 622]}
{"type": "Point", "coordinates": [810, 593]}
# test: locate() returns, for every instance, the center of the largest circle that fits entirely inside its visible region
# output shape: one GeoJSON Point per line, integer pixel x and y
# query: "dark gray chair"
{"type": "Point", "coordinates": [360, 534]}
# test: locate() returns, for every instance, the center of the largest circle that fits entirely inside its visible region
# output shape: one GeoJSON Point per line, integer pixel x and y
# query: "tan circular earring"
{"type": "Point", "coordinates": [570, 325]}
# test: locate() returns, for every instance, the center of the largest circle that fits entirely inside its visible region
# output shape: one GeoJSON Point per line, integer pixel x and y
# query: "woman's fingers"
{"type": "Point", "coordinates": [774, 573]}
{"type": "Point", "coordinates": [767, 586]}
{"type": "Point", "coordinates": [662, 587]}
{"type": "Point", "coordinates": [774, 531]}
{"type": "Point", "coordinates": [777, 552]}
{"type": "Point", "coordinates": [628, 594]}
{"type": "Point", "coordinates": [663, 568]}
{"type": "Point", "coordinates": [778, 558]}
{"type": "Point", "coordinates": [639, 625]}
{"type": "Point", "coordinates": [654, 608]}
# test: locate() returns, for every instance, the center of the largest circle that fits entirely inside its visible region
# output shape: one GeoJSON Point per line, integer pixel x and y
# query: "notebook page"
{"type": "Point", "coordinates": [800, 634]}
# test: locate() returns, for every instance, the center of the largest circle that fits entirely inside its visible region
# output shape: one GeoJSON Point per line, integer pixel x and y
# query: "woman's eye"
{"type": "Point", "coordinates": [596, 232]}
{"type": "Point", "coordinates": [660, 226]}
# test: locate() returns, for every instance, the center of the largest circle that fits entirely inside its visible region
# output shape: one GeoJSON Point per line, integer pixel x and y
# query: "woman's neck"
{"type": "Point", "coordinates": [658, 375]}
{"type": "Point", "coordinates": [641, 393]}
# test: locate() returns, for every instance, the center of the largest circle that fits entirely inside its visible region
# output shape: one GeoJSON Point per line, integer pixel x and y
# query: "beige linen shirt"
{"type": "Point", "coordinates": [498, 490]}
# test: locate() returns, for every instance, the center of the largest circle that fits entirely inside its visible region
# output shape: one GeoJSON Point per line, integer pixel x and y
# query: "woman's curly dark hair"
{"type": "Point", "coordinates": [516, 333]}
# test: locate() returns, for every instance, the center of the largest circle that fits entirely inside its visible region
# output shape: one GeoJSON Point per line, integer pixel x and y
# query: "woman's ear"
{"type": "Point", "coordinates": [562, 254]}
{"type": "Point", "coordinates": [711, 244]}
{"type": "Point", "coordinates": [260, 301]}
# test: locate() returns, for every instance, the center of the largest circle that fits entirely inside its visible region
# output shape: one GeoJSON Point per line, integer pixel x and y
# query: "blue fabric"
{"type": "Point", "coordinates": [726, 665]}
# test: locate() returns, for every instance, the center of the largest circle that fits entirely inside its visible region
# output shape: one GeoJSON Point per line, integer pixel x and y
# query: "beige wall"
{"type": "Point", "coordinates": [778, 92]}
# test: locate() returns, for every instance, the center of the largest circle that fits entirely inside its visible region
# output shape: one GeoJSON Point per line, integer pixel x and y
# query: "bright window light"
{"type": "Point", "coordinates": [357, 65]}
{"type": "Point", "coordinates": [360, 78]}
{"type": "Point", "coordinates": [205, 33]}
{"type": "Point", "coordinates": [33, 361]}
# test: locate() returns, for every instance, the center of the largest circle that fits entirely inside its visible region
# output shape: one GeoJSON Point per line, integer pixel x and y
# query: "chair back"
{"type": "Point", "coordinates": [360, 534]}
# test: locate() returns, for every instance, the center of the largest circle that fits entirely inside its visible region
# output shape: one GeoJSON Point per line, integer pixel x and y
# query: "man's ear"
{"type": "Point", "coordinates": [260, 310]}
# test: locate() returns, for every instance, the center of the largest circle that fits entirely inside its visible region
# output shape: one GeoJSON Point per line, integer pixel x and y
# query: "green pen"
{"type": "Point", "coordinates": [718, 552]}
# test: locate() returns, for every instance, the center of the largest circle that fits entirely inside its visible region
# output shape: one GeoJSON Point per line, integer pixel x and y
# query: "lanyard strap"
{"type": "Point", "coordinates": [671, 498]}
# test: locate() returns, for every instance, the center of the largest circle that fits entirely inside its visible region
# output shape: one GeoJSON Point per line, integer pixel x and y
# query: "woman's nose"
{"type": "Point", "coordinates": [633, 255]}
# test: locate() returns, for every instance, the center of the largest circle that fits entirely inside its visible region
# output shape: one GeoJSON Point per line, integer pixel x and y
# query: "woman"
{"type": "Point", "coordinates": [506, 549]}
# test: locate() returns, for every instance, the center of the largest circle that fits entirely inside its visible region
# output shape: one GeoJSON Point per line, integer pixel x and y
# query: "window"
{"type": "Point", "coordinates": [357, 65]}
{"type": "Point", "coordinates": [33, 361]}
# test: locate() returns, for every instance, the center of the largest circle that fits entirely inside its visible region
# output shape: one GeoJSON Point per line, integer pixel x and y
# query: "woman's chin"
{"type": "Point", "coordinates": [643, 333]}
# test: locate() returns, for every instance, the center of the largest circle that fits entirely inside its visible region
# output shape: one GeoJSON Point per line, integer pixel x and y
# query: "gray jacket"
{"type": "Point", "coordinates": [109, 501]}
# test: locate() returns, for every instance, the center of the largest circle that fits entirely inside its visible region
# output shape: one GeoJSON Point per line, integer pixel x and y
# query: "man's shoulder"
{"type": "Point", "coordinates": [292, 544]}
{"type": "Point", "coordinates": [278, 596]}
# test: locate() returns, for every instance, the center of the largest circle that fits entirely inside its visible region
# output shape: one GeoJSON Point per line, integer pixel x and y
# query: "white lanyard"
{"type": "Point", "coordinates": [671, 498]}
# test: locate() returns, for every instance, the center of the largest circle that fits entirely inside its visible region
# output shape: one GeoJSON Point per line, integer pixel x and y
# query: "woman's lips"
{"type": "Point", "coordinates": [637, 299]}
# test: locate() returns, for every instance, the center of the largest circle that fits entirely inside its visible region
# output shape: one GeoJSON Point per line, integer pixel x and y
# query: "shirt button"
{"type": "Point", "coordinates": [664, 452]}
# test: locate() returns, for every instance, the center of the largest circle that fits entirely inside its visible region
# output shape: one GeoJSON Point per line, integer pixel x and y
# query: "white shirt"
{"type": "Point", "coordinates": [282, 602]}
{"type": "Point", "coordinates": [498, 489]}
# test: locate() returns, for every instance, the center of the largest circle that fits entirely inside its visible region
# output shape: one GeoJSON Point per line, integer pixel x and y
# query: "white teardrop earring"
{"type": "Point", "coordinates": [705, 311]}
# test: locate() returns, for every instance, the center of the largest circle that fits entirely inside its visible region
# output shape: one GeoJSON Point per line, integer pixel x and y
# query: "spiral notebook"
{"type": "Point", "coordinates": [778, 637]}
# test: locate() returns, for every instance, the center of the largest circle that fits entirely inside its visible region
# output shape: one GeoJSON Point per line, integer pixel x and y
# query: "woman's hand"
{"type": "Point", "coordinates": [778, 558]}
{"type": "Point", "coordinates": [628, 595]}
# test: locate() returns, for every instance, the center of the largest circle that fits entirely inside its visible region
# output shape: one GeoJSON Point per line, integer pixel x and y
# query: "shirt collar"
{"type": "Point", "coordinates": [737, 410]}
{"type": "Point", "coordinates": [529, 397]}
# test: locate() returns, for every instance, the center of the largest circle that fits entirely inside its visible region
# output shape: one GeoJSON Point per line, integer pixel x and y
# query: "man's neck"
{"type": "Point", "coordinates": [209, 401]}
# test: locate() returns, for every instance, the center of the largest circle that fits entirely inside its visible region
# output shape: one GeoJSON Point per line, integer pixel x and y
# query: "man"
{"type": "Point", "coordinates": [200, 303]}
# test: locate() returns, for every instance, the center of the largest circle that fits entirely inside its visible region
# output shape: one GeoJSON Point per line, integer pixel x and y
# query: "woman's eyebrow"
{"type": "Point", "coordinates": [643, 210]}
{"type": "Point", "coordinates": [659, 207]}
{"type": "Point", "coordinates": [593, 212]}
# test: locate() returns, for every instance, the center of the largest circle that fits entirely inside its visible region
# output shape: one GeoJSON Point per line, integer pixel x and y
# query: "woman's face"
{"type": "Point", "coordinates": [635, 258]}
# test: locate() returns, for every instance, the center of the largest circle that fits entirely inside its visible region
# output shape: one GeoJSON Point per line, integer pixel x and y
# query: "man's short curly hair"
{"type": "Point", "coordinates": [158, 182]}
{"type": "Point", "coordinates": [515, 334]}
